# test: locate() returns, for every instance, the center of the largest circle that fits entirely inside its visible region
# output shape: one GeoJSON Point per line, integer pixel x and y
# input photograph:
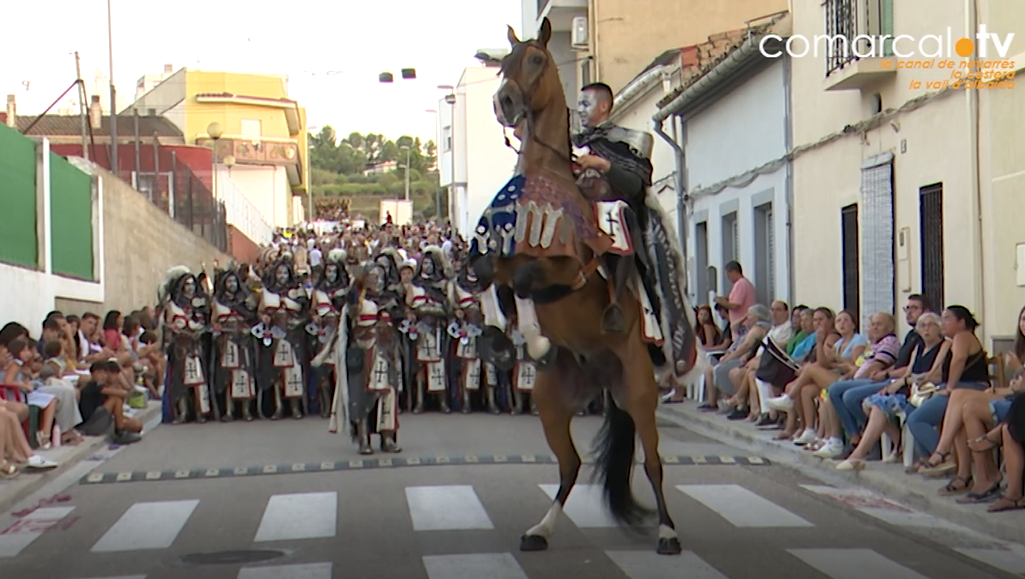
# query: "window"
{"type": "Point", "coordinates": [850, 19]}
{"type": "Point", "coordinates": [849, 243]}
{"type": "Point", "coordinates": [252, 129]}
{"type": "Point", "coordinates": [764, 271]}
{"type": "Point", "coordinates": [930, 207]}
{"type": "Point", "coordinates": [701, 249]}
{"type": "Point", "coordinates": [730, 235]}
{"type": "Point", "coordinates": [446, 135]}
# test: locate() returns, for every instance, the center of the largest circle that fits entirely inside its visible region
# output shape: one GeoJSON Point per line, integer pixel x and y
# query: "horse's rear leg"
{"type": "Point", "coordinates": [555, 415]}
{"type": "Point", "coordinates": [643, 401]}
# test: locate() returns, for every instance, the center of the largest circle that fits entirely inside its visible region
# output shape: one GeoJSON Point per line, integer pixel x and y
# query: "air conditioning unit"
{"type": "Point", "coordinates": [578, 33]}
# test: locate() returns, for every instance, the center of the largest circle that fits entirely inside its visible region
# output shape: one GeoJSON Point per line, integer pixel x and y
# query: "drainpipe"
{"type": "Point", "coordinates": [788, 142]}
{"type": "Point", "coordinates": [680, 162]}
{"type": "Point", "coordinates": [972, 116]}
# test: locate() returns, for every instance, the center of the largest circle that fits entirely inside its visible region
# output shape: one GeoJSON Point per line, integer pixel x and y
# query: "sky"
{"type": "Point", "coordinates": [353, 40]}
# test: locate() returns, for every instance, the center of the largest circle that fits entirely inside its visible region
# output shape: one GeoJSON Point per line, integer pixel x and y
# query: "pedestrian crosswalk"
{"type": "Point", "coordinates": [429, 512]}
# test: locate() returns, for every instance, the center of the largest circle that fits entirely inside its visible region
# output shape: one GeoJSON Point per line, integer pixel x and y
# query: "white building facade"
{"type": "Point", "coordinates": [473, 159]}
{"type": "Point", "coordinates": [735, 136]}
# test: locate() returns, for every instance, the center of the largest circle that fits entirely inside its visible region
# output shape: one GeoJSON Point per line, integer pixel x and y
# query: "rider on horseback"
{"type": "Point", "coordinates": [621, 157]}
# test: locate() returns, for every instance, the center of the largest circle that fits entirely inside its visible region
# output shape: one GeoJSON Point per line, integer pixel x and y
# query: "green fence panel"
{"type": "Point", "coordinates": [71, 219]}
{"type": "Point", "coordinates": [18, 242]}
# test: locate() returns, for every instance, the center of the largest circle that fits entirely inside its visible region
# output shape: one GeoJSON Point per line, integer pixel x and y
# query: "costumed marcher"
{"type": "Point", "coordinates": [467, 365]}
{"type": "Point", "coordinates": [330, 302]}
{"type": "Point", "coordinates": [373, 365]}
{"type": "Point", "coordinates": [645, 257]}
{"type": "Point", "coordinates": [428, 303]}
{"type": "Point", "coordinates": [186, 317]}
{"type": "Point", "coordinates": [284, 309]}
{"type": "Point", "coordinates": [233, 353]}
{"type": "Point", "coordinates": [407, 338]}
{"type": "Point", "coordinates": [524, 373]}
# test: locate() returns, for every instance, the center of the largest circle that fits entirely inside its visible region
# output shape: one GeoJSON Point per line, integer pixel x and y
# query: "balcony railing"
{"type": "Point", "coordinates": [241, 212]}
{"type": "Point", "coordinates": [841, 28]}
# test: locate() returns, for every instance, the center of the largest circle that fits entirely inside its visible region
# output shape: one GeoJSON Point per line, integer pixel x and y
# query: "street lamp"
{"type": "Point", "coordinates": [408, 153]}
{"type": "Point", "coordinates": [309, 171]}
{"type": "Point", "coordinates": [113, 96]}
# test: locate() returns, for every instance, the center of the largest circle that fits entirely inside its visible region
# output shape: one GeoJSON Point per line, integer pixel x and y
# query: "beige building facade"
{"type": "Point", "coordinates": [903, 184]}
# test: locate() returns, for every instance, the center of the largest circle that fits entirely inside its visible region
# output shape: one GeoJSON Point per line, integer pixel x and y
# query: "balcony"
{"type": "Point", "coordinates": [560, 13]}
{"type": "Point", "coordinates": [853, 28]}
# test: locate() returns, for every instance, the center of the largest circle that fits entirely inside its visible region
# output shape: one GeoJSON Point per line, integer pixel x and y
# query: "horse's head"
{"type": "Point", "coordinates": [530, 78]}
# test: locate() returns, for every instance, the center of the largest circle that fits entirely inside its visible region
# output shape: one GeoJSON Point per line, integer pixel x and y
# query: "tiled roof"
{"type": "Point", "coordinates": [71, 125]}
{"type": "Point", "coordinates": [698, 60]}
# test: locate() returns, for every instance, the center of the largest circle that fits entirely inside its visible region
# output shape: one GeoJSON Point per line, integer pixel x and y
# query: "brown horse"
{"type": "Point", "coordinates": [557, 273]}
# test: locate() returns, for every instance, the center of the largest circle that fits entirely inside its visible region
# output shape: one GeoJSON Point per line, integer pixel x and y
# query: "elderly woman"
{"type": "Point", "coordinates": [728, 373]}
{"type": "Point", "coordinates": [965, 367]}
{"type": "Point", "coordinates": [884, 407]}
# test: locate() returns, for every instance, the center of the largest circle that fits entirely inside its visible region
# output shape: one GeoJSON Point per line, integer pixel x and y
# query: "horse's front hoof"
{"type": "Point", "coordinates": [533, 543]}
{"type": "Point", "coordinates": [669, 546]}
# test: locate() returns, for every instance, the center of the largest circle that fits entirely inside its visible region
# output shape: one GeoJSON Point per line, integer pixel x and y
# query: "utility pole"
{"type": "Point", "coordinates": [82, 99]}
{"type": "Point", "coordinates": [113, 95]}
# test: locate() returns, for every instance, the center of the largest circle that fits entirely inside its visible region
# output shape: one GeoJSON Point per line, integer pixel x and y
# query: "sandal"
{"type": "Point", "coordinates": [933, 469]}
{"type": "Point", "coordinates": [953, 489]}
{"type": "Point", "coordinates": [1006, 504]}
{"type": "Point", "coordinates": [8, 470]}
{"type": "Point", "coordinates": [985, 443]}
{"type": "Point", "coordinates": [989, 495]}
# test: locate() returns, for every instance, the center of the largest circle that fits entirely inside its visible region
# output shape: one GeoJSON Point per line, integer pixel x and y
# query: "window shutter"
{"type": "Point", "coordinates": [886, 25]}
{"type": "Point", "coordinates": [770, 244]}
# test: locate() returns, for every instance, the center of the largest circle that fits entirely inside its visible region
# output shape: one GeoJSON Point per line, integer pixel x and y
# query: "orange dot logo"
{"type": "Point", "coordinates": [964, 47]}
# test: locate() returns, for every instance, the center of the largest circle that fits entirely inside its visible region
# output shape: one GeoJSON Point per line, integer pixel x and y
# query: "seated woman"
{"type": "Point", "coordinates": [798, 350]}
{"type": "Point", "coordinates": [18, 373]}
{"type": "Point", "coordinates": [746, 399]}
{"type": "Point", "coordinates": [1010, 435]}
{"type": "Point", "coordinates": [51, 382]}
{"type": "Point", "coordinates": [757, 324]}
{"type": "Point", "coordinates": [884, 407]}
{"type": "Point", "coordinates": [833, 345]}
{"type": "Point", "coordinates": [882, 354]}
{"type": "Point", "coordinates": [965, 367]}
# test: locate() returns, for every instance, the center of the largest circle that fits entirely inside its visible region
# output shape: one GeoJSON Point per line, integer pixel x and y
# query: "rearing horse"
{"type": "Point", "coordinates": [541, 237]}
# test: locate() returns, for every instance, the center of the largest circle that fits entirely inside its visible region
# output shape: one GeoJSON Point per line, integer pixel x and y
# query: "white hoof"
{"type": "Point", "coordinates": [538, 347]}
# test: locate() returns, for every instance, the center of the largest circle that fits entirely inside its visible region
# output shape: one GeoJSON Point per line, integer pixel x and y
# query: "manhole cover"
{"type": "Point", "coordinates": [230, 557]}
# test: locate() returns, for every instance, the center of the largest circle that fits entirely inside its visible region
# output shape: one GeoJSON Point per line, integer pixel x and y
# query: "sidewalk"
{"type": "Point", "coordinates": [887, 479]}
{"type": "Point", "coordinates": [29, 481]}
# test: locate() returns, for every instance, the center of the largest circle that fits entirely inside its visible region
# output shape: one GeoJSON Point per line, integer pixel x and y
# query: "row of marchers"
{"type": "Point", "coordinates": [360, 346]}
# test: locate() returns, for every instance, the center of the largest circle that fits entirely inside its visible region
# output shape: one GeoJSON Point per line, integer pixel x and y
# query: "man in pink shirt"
{"type": "Point", "coordinates": [742, 296]}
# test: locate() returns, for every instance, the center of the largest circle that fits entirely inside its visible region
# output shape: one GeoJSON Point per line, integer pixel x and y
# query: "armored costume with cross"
{"type": "Point", "coordinates": [524, 373]}
{"type": "Point", "coordinates": [392, 297]}
{"type": "Point", "coordinates": [284, 312]}
{"type": "Point", "coordinates": [372, 360]}
{"type": "Point", "coordinates": [429, 303]}
{"type": "Point", "coordinates": [330, 310]}
{"type": "Point", "coordinates": [645, 257]}
{"type": "Point", "coordinates": [470, 371]}
{"type": "Point", "coordinates": [186, 321]}
{"type": "Point", "coordinates": [233, 354]}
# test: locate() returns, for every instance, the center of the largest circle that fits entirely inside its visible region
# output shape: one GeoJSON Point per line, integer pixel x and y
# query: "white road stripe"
{"type": "Point", "coordinates": [146, 526]}
{"type": "Point", "coordinates": [650, 565]}
{"type": "Point", "coordinates": [446, 508]}
{"type": "Point", "coordinates": [489, 565]}
{"type": "Point", "coordinates": [1012, 562]}
{"type": "Point", "coordinates": [119, 577]}
{"type": "Point", "coordinates": [307, 571]}
{"type": "Point", "coordinates": [29, 528]}
{"type": "Point", "coordinates": [585, 507]}
{"type": "Point", "coordinates": [299, 516]}
{"type": "Point", "coordinates": [742, 507]}
{"type": "Point", "coordinates": [853, 564]}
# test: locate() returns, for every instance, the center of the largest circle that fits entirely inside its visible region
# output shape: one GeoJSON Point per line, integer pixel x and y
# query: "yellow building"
{"type": "Point", "coordinates": [262, 148]}
{"type": "Point", "coordinates": [904, 184]}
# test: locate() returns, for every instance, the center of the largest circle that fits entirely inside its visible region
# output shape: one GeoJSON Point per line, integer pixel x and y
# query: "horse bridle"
{"type": "Point", "coordinates": [530, 117]}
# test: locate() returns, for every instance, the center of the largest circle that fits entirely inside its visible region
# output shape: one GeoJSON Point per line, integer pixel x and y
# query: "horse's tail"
{"type": "Point", "coordinates": [614, 461]}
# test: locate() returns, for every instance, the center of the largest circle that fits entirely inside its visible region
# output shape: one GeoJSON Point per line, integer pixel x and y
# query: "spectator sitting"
{"type": "Point", "coordinates": [51, 382]}
{"type": "Point", "coordinates": [885, 406]}
{"type": "Point", "coordinates": [105, 391]}
{"type": "Point", "coordinates": [878, 357]}
{"type": "Point", "coordinates": [1011, 436]}
{"type": "Point", "coordinates": [746, 398]}
{"type": "Point", "coordinates": [756, 326]}
{"type": "Point", "coordinates": [19, 373]}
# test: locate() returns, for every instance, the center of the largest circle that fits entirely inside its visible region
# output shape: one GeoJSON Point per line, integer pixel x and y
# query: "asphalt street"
{"type": "Point", "coordinates": [286, 500]}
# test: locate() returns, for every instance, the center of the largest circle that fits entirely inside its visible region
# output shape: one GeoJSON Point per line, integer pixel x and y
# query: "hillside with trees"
{"type": "Point", "coordinates": [358, 171]}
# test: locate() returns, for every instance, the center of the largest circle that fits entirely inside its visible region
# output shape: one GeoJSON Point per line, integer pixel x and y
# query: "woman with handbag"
{"type": "Point", "coordinates": [883, 408]}
{"type": "Point", "coordinates": [965, 366]}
